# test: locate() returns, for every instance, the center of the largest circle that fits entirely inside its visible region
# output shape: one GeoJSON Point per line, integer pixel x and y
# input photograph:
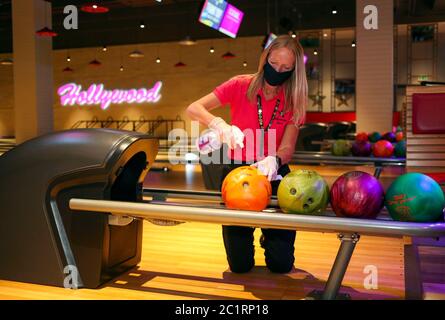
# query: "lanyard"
{"type": "Point", "coordinates": [260, 113]}
{"type": "Point", "coordinates": [260, 120]}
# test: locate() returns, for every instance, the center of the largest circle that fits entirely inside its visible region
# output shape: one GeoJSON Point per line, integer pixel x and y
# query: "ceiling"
{"type": "Point", "coordinates": [172, 20]}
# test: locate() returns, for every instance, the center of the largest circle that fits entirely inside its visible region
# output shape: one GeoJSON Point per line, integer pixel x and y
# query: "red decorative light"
{"type": "Point", "coordinates": [95, 63]}
{"type": "Point", "coordinates": [180, 65]}
{"type": "Point", "coordinates": [228, 55]}
{"type": "Point", "coordinates": [67, 69]}
{"type": "Point", "coordinates": [94, 8]}
{"type": "Point", "coordinates": [46, 32]}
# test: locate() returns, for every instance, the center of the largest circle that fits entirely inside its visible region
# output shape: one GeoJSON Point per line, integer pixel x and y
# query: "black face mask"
{"type": "Point", "coordinates": [275, 78]}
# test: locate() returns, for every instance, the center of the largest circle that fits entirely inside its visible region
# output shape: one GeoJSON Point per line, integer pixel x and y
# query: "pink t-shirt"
{"type": "Point", "coordinates": [244, 114]}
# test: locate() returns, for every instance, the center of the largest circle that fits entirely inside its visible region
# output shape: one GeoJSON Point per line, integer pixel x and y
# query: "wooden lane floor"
{"type": "Point", "coordinates": [188, 261]}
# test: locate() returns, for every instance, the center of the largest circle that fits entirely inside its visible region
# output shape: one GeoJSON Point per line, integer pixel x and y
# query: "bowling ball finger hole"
{"type": "Point", "coordinates": [310, 201]}
{"type": "Point", "coordinates": [305, 206]}
{"type": "Point", "coordinates": [293, 191]}
{"type": "Point", "coordinates": [245, 184]}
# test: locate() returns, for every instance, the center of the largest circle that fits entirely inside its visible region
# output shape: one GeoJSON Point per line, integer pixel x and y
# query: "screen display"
{"type": "Point", "coordinates": [212, 13]}
{"type": "Point", "coordinates": [231, 21]}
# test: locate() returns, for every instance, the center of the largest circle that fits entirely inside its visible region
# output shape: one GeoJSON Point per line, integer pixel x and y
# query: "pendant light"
{"type": "Point", "coordinates": [94, 7]}
{"type": "Point", "coordinates": [46, 31]}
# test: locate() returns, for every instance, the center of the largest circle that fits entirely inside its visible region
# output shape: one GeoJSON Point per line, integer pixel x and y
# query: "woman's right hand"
{"type": "Point", "coordinates": [231, 135]}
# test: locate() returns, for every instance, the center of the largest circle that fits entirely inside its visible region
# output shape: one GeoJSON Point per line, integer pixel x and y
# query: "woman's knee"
{"type": "Point", "coordinates": [279, 250]}
{"type": "Point", "coordinates": [280, 266]}
{"type": "Point", "coordinates": [241, 266]}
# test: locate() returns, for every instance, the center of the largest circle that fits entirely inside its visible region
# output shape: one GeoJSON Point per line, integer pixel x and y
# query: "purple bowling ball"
{"type": "Point", "coordinates": [361, 148]}
{"type": "Point", "coordinates": [357, 194]}
{"type": "Point", "coordinates": [389, 136]}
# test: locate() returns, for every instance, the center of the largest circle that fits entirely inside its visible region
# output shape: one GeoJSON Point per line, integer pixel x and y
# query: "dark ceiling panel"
{"type": "Point", "coordinates": [172, 20]}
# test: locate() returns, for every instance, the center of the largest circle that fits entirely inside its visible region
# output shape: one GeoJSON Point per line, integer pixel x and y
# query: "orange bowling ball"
{"type": "Point", "coordinates": [383, 149]}
{"type": "Point", "coordinates": [245, 188]}
{"type": "Point", "coordinates": [399, 136]}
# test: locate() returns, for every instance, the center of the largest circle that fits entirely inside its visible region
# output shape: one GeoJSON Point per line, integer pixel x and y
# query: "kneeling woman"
{"type": "Point", "coordinates": [267, 109]}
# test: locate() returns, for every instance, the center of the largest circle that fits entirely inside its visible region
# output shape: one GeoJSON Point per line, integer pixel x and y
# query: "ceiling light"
{"type": "Point", "coordinates": [136, 54]}
{"type": "Point", "coordinates": [187, 41]}
{"type": "Point", "coordinates": [180, 65]}
{"type": "Point", "coordinates": [94, 8]}
{"type": "Point", "coordinates": [46, 32]}
{"type": "Point", "coordinates": [158, 60]}
{"type": "Point", "coordinates": [228, 55]}
{"type": "Point", "coordinates": [6, 62]}
{"type": "Point", "coordinates": [95, 63]}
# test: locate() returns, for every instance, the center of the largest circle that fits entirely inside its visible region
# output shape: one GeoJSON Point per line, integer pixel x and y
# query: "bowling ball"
{"type": "Point", "coordinates": [245, 188]}
{"type": "Point", "coordinates": [341, 148]}
{"type": "Point", "coordinates": [389, 136]}
{"type": "Point", "coordinates": [415, 197]}
{"type": "Point", "coordinates": [357, 194]}
{"type": "Point", "coordinates": [399, 136]}
{"type": "Point", "coordinates": [362, 136]}
{"type": "Point", "coordinates": [400, 149]}
{"type": "Point", "coordinates": [383, 149]}
{"type": "Point", "coordinates": [374, 137]}
{"type": "Point", "coordinates": [303, 192]}
{"type": "Point", "coordinates": [361, 148]}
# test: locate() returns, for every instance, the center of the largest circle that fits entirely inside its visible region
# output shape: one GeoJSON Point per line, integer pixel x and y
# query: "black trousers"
{"type": "Point", "coordinates": [278, 244]}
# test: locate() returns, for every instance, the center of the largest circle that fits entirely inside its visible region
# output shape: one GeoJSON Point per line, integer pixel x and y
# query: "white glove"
{"type": "Point", "coordinates": [268, 167]}
{"type": "Point", "coordinates": [231, 135]}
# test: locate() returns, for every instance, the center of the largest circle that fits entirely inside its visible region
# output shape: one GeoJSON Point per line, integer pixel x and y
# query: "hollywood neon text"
{"type": "Point", "coordinates": [72, 94]}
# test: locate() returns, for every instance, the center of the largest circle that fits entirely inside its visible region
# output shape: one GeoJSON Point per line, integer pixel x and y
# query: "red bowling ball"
{"type": "Point", "coordinates": [383, 149]}
{"type": "Point", "coordinates": [357, 194]}
{"type": "Point", "coordinates": [362, 136]}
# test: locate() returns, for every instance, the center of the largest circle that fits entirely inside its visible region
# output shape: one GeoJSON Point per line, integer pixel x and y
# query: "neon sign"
{"type": "Point", "coordinates": [72, 94]}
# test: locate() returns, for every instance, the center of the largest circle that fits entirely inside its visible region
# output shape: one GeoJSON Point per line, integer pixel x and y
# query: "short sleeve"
{"type": "Point", "coordinates": [225, 91]}
{"type": "Point", "coordinates": [298, 123]}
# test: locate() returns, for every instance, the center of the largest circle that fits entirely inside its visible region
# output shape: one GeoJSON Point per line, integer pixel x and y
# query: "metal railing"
{"type": "Point", "coordinates": [158, 128]}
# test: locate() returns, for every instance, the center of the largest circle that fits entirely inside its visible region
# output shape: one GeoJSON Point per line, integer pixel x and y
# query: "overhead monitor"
{"type": "Point", "coordinates": [212, 13]}
{"type": "Point", "coordinates": [231, 21]}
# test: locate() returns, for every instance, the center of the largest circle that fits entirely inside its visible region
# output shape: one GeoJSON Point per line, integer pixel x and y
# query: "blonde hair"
{"type": "Point", "coordinates": [295, 88]}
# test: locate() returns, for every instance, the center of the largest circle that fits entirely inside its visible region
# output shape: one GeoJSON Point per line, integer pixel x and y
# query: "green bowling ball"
{"type": "Point", "coordinates": [374, 137]}
{"type": "Point", "coordinates": [303, 192]}
{"type": "Point", "coordinates": [400, 149]}
{"type": "Point", "coordinates": [341, 148]}
{"type": "Point", "coordinates": [415, 197]}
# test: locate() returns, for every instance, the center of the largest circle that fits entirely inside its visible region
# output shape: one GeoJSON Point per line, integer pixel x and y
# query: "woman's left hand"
{"type": "Point", "coordinates": [268, 167]}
